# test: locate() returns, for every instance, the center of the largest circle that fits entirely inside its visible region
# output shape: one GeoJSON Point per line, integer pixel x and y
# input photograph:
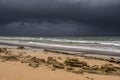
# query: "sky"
{"type": "Point", "coordinates": [59, 17]}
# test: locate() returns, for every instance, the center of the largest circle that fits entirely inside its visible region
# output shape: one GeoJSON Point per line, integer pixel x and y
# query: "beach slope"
{"type": "Point", "coordinates": [19, 63]}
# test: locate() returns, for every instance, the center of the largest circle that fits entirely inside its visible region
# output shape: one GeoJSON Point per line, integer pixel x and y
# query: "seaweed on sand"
{"type": "Point", "coordinates": [74, 62]}
{"type": "Point", "coordinates": [3, 49]}
{"type": "Point", "coordinates": [51, 60]}
{"type": "Point", "coordinates": [10, 58]}
{"type": "Point", "coordinates": [58, 65]}
{"type": "Point", "coordinates": [20, 47]}
{"type": "Point", "coordinates": [55, 63]}
{"type": "Point", "coordinates": [80, 71]}
{"type": "Point", "coordinates": [113, 60]}
{"type": "Point", "coordinates": [33, 61]}
{"type": "Point", "coordinates": [110, 69]}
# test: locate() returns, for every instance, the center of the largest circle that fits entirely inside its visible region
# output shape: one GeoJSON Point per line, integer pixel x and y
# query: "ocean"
{"type": "Point", "coordinates": [105, 43]}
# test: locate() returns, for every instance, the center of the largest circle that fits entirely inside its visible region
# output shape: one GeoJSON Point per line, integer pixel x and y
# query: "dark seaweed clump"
{"type": "Point", "coordinates": [75, 62]}
{"type": "Point", "coordinates": [55, 63]}
{"type": "Point", "coordinates": [9, 58]}
{"type": "Point", "coordinates": [3, 49]}
{"type": "Point", "coordinates": [33, 61]}
{"type": "Point", "coordinates": [20, 47]}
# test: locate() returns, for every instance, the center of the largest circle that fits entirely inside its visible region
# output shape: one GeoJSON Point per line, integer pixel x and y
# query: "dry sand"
{"type": "Point", "coordinates": [15, 70]}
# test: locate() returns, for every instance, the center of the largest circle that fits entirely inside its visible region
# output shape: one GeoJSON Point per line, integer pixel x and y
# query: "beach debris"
{"type": "Point", "coordinates": [80, 71]}
{"type": "Point", "coordinates": [34, 65]}
{"type": "Point", "coordinates": [60, 58]}
{"type": "Point", "coordinates": [20, 47]}
{"type": "Point", "coordinates": [92, 57]}
{"type": "Point", "coordinates": [51, 60]}
{"type": "Point", "coordinates": [113, 60]}
{"type": "Point", "coordinates": [93, 69]}
{"type": "Point", "coordinates": [26, 59]}
{"type": "Point", "coordinates": [90, 78]}
{"type": "Point", "coordinates": [3, 50]}
{"type": "Point", "coordinates": [33, 61]}
{"type": "Point", "coordinates": [74, 70]}
{"type": "Point", "coordinates": [69, 69]}
{"type": "Point", "coordinates": [37, 60]}
{"type": "Point", "coordinates": [57, 51]}
{"type": "Point", "coordinates": [58, 65]}
{"type": "Point", "coordinates": [118, 61]}
{"type": "Point", "coordinates": [10, 58]}
{"type": "Point", "coordinates": [108, 68]}
{"type": "Point", "coordinates": [74, 62]}
{"type": "Point", "coordinates": [53, 69]}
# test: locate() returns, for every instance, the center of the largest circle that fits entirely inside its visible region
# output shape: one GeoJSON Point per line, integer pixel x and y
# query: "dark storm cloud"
{"type": "Point", "coordinates": [44, 28]}
{"type": "Point", "coordinates": [55, 17]}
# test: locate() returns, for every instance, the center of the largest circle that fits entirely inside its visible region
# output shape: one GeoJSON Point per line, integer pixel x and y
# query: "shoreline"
{"type": "Point", "coordinates": [74, 50]}
{"type": "Point", "coordinates": [27, 63]}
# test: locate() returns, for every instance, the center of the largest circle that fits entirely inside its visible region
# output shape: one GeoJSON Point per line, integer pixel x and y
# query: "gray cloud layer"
{"type": "Point", "coordinates": [59, 17]}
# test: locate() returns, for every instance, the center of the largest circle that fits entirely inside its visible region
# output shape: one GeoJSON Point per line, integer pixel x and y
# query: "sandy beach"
{"type": "Point", "coordinates": [59, 39]}
{"type": "Point", "coordinates": [19, 63]}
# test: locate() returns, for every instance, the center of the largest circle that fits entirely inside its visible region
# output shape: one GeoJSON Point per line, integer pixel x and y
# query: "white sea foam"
{"type": "Point", "coordinates": [61, 40]}
{"type": "Point", "coordinates": [66, 43]}
{"type": "Point", "coordinates": [75, 47]}
{"type": "Point", "coordinates": [110, 43]}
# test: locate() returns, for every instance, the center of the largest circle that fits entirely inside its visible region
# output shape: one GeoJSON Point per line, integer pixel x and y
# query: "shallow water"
{"type": "Point", "coordinates": [93, 43]}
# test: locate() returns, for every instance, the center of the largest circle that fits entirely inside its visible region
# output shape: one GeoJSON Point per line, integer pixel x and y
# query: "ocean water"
{"type": "Point", "coordinates": [93, 43]}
